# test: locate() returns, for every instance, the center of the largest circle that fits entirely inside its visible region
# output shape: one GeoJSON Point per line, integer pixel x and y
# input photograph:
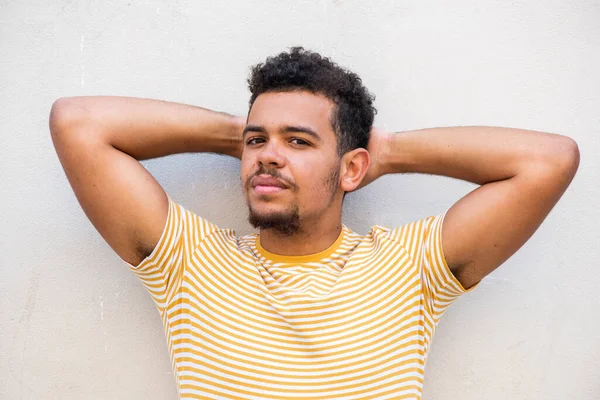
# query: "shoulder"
{"type": "Point", "coordinates": [412, 235]}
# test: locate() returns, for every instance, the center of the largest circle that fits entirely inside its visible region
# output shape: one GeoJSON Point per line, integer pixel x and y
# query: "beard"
{"type": "Point", "coordinates": [287, 222]}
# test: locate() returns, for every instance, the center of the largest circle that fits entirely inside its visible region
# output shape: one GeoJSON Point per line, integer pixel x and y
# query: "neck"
{"type": "Point", "coordinates": [313, 237]}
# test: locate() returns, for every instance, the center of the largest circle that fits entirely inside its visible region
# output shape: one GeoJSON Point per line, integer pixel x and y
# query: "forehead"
{"type": "Point", "coordinates": [274, 109]}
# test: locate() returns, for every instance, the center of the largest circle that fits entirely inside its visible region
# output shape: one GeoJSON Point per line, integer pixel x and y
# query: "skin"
{"type": "Point", "coordinates": [522, 174]}
{"type": "Point", "coordinates": [100, 139]}
{"type": "Point", "coordinates": [305, 162]}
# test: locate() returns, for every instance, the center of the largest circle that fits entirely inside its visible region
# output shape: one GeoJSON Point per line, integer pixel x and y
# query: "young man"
{"type": "Point", "coordinates": [306, 308]}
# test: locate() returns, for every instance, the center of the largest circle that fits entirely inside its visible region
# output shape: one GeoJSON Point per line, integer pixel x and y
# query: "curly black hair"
{"type": "Point", "coordinates": [302, 69]}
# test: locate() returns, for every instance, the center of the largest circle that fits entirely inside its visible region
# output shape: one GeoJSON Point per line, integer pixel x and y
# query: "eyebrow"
{"type": "Point", "coordinates": [285, 128]}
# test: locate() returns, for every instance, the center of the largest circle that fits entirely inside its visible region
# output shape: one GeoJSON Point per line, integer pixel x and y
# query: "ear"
{"type": "Point", "coordinates": [355, 165]}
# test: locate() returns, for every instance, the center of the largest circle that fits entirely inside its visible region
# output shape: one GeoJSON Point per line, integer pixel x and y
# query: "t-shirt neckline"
{"type": "Point", "coordinates": [300, 259]}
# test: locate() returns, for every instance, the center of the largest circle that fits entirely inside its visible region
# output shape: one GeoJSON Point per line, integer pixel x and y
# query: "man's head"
{"type": "Point", "coordinates": [307, 131]}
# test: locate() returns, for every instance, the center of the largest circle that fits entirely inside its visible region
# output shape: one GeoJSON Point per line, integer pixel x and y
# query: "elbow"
{"type": "Point", "coordinates": [563, 159]}
{"type": "Point", "coordinates": [569, 156]}
{"type": "Point", "coordinates": [64, 115]}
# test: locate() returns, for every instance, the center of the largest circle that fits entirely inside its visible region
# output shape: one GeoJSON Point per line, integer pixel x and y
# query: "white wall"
{"type": "Point", "coordinates": [76, 324]}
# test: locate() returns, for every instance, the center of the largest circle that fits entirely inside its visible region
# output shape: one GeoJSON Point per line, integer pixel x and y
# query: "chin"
{"type": "Point", "coordinates": [266, 209]}
{"type": "Point", "coordinates": [266, 202]}
{"type": "Point", "coordinates": [265, 215]}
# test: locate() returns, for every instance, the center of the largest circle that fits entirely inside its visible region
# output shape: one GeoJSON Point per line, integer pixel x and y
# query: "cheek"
{"type": "Point", "coordinates": [245, 171]}
{"type": "Point", "coordinates": [306, 175]}
{"type": "Point", "coordinates": [312, 180]}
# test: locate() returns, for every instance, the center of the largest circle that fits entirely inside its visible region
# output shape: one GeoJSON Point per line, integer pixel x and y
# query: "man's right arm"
{"type": "Point", "coordinates": [100, 141]}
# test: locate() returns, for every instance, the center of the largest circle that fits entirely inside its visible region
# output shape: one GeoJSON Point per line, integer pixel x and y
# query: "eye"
{"type": "Point", "coordinates": [254, 140]}
{"type": "Point", "coordinates": [300, 142]}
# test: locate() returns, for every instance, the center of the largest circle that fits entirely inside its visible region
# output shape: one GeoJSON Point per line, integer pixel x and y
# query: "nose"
{"type": "Point", "coordinates": [270, 155]}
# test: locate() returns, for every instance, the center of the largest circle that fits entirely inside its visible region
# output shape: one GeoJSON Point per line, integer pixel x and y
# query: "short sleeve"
{"type": "Point", "coordinates": [161, 272]}
{"type": "Point", "coordinates": [423, 241]}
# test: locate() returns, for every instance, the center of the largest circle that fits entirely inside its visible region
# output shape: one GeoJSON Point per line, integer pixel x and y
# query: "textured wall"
{"type": "Point", "coordinates": [76, 324]}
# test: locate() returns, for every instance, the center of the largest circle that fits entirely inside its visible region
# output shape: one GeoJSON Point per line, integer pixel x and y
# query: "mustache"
{"type": "Point", "coordinates": [272, 172]}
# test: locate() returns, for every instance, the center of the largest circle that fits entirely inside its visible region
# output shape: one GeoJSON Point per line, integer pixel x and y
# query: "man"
{"type": "Point", "coordinates": [306, 308]}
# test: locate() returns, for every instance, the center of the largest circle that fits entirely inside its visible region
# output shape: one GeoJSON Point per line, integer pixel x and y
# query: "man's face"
{"type": "Point", "coordinates": [290, 165]}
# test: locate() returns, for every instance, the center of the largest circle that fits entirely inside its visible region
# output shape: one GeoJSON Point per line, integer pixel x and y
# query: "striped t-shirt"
{"type": "Point", "coordinates": [354, 321]}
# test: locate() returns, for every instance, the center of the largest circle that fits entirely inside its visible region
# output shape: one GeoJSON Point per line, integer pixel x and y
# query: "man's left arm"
{"type": "Point", "coordinates": [522, 174]}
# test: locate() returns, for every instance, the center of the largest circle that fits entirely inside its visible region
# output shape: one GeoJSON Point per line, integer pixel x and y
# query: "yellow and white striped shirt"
{"type": "Point", "coordinates": [354, 321]}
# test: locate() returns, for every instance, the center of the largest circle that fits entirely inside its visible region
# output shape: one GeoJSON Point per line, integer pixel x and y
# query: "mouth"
{"type": "Point", "coordinates": [267, 189]}
{"type": "Point", "coordinates": [266, 185]}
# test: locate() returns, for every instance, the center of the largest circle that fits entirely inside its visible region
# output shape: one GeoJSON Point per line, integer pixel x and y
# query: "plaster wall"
{"type": "Point", "coordinates": [76, 324]}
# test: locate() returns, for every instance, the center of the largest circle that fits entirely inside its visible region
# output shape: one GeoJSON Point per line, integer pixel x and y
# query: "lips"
{"type": "Point", "coordinates": [266, 180]}
{"type": "Point", "coordinates": [266, 184]}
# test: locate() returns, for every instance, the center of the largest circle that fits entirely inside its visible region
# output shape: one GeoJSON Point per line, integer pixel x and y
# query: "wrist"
{"type": "Point", "coordinates": [229, 134]}
{"type": "Point", "coordinates": [398, 153]}
{"type": "Point", "coordinates": [239, 123]}
{"type": "Point", "coordinates": [384, 158]}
